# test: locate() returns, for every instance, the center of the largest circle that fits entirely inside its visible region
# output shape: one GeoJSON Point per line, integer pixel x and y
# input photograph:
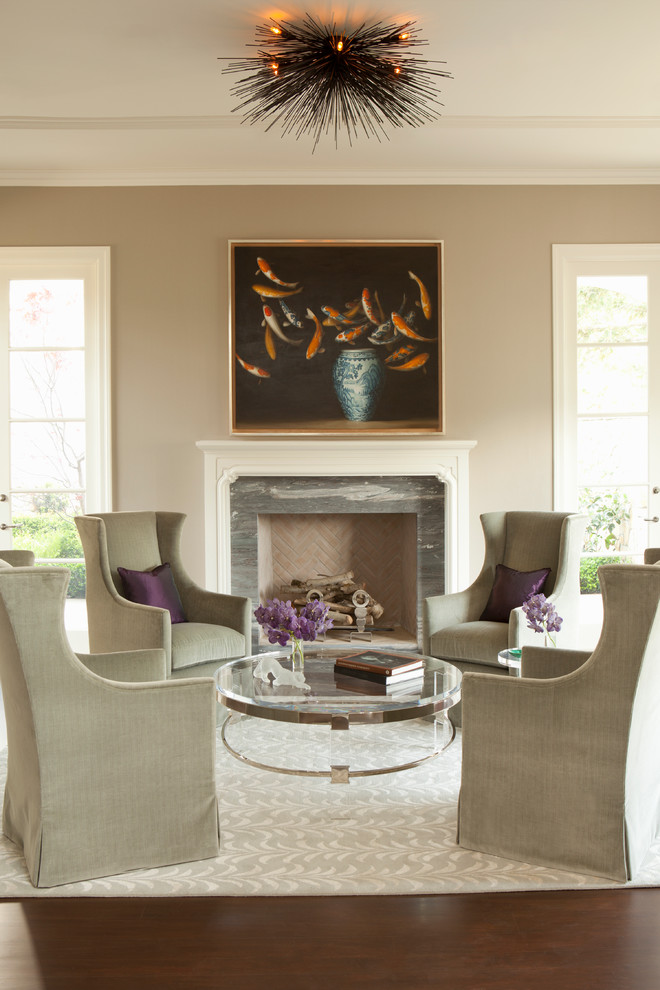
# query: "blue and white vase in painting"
{"type": "Point", "coordinates": [358, 377]}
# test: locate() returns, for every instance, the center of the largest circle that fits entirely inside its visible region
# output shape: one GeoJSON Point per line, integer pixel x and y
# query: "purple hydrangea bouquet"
{"type": "Point", "coordinates": [542, 616]}
{"type": "Point", "coordinates": [283, 623]}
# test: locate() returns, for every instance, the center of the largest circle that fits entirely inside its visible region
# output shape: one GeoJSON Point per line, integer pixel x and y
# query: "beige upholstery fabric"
{"type": "Point", "coordinates": [564, 772]}
{"type": "Point", "coordinates": [140, 665]}
{"type": "Point", "coordinates": [17, 558]}
{"type": "Point", "coordinates": [102, 776]}
{"type": "Point", "coordinates": [198, 642]}
{"type": "Point", "coordinates": [547, 662]}
{"type": "Point", "coordinates": [524, 541]}
{"type": "Point", "coordinates": [652, 555]}
{"type": "Point", "coordinates": [471, 641]}
{"type": "Point", "coordinates": [219, 626]}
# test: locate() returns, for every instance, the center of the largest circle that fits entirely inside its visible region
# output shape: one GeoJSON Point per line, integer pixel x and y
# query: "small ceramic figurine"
{"type": "Point", "coordinates": [268, 667]}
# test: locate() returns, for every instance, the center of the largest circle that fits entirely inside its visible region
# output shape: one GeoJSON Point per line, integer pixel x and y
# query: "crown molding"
{"type": "Point", "coordinates": [328, 177]}
{"type": "Point", "coordinates": [341, 175]}
{"type": "Point", "coordinates": [229, 121]}
{"type": "Point", "coordinates": [164, 123]}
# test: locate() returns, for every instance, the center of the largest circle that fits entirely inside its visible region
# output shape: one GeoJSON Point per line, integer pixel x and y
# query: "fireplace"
{"type": "Point", "coordinates": [393, 511]}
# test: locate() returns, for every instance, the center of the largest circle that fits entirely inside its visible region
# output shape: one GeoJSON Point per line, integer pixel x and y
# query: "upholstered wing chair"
{"type": "Point", "coordinates": [102, 777]}
{"type": "Point", "coordinates": [521, 543]}
{"type": "Point", "coordinates": [560, 766]}
{"type": "Point", "coordinates": [218, 627]}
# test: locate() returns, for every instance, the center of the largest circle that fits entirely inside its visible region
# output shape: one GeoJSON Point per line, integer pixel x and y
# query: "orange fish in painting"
{"type": "Point", "coordinates": [270, 292]}
{"type": "Point", "coordinates": [417, 362]}
{"type": "Point", "coordinates": [269, 273]}
{"type": "Point", "coordinates": [348, 336]}
{"type": "Point", "coordinates": [315, 342]}
{"type": "Point", "coordinates": [368, 307]}
{"type": "Point", "coordinates": [270, 344]}
{"type": "Point", "coordinates": [253, 369]}
{"type": "Point", "coordinates": [353, 308]}
{"type": "Point", "coordinates": [424, 296]}
{"type": "Point", "coordinates": [401, 325]}
{"type": "Point", "coordinates": [400, 353]}
{"type": "Point", "coordinates": [335, 315]}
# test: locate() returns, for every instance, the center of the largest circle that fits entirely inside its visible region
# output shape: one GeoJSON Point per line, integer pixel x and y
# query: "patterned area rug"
{"type": "Point", "coordinates": [281, 834]}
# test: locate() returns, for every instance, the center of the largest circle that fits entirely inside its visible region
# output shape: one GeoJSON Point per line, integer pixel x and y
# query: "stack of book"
{"type": "Point", "coordinates": [380, 667]}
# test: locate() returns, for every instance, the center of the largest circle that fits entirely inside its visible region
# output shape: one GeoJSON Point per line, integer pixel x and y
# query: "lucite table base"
{"type": "Point", "coordinates": [339, 763]}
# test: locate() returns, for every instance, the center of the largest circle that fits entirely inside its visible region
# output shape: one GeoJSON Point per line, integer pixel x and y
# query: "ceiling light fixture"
{"type": "Point", "coordinates": [313, 79]}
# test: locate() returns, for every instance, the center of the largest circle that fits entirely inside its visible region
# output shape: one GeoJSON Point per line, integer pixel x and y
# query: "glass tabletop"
{"type": "Point", "coordinates": [323, 695]}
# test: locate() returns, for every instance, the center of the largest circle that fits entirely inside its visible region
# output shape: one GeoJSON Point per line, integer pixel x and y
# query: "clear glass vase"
{"type": "Point", "coordinates": [297, 655]}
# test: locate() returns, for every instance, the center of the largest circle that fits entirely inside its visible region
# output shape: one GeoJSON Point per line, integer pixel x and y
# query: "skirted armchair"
{"type": "Point", "coordinates": [469, 628]}
{"type": "Point", "coordinates": [560, 766]}
{"type": "Point", "coordinates": [102, 777]}
{"type": "Point", "coordinates": [217, 627]}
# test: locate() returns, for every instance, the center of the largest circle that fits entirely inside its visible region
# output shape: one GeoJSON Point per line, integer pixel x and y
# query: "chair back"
{"type": "Point", "coordinates": [120, 539]}
{"type": "Point", "coordinates": [530, 541]}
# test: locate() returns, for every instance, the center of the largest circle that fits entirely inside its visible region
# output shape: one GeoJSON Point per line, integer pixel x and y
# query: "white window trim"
{"type": "Point", "coordinates": [93, 265]}
{"type": "Point", "coordinates": [568, 262]}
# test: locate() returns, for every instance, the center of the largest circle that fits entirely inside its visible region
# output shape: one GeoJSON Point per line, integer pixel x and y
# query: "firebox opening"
{"type": "Point", "coordinates": [379, 548]}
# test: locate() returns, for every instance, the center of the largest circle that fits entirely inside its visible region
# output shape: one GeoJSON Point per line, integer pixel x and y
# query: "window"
{"type": "Point", "coordinates": [55, 425]}
{"type": "Point", "coordinates": [607, 427]}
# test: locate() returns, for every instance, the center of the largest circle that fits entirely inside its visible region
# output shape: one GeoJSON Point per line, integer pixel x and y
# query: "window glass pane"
{"type": "Point", "coordinates": [616, 519]}
{"type": "Point", "coordinates": [589, 564]}
{"type": "Point", "coordinates": [33, 504]}
{"type": "Point", "coordinates": [46, 525]}
{"type": "Point", "coordinates": [46, 313]}
{"type": "Point", "coordinates": [47, 528]}
{"type": "Point", "coordinates": [47, 384]}
{"type": "Point", "coordinates": [612, 309]}
{"type": "Point", "coordinates": [612, 451]}
{"type": "Point", "coordinates": [50, 455]}
{"type": "Point", "coordinates": [612, 379]}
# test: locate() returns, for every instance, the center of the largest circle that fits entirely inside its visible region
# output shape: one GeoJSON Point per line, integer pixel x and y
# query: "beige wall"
{"type": "Point", "coordinates": [169, 312]}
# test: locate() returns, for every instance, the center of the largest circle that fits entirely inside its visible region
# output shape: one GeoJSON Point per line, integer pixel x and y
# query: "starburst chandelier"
{"type": "Point", "coordinates": [312, 78]}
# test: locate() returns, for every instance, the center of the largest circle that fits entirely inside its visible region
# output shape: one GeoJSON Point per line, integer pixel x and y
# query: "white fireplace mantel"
{"type": "Point", "coordinates": [227, 460]}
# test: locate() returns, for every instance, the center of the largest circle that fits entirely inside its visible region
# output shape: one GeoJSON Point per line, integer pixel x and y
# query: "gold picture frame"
{"type": "Point", "coordinates": [336, 337]}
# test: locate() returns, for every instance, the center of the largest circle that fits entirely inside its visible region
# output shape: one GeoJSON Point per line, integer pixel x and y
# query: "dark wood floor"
{"type": "Point", "coordinates": [582, 940]}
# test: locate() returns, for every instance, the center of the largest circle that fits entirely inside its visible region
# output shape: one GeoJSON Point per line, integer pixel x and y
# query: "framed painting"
{"type": "Point", "coordinates": [336, 337]}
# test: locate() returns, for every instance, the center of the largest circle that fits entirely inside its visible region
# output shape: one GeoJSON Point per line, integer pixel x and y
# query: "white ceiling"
{"type": "Point", "coordinates": [132, 92]}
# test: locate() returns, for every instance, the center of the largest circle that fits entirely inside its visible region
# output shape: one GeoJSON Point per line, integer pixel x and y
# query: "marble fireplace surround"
{"type": "Point", "coordinates": [431, 458]}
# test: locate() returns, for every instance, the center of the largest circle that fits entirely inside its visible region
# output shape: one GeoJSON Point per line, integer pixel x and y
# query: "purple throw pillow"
{"type": "Point", "coordinates": [155, 587]}
{"type": "Point", "coordinates": [511, 589]}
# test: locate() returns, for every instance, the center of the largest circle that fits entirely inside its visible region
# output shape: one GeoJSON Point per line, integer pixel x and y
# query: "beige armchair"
{"type": "Point", "coordinates": [564, 771]}
{"type": "Point", "coordinates": [218, 627]}
{"type": "Point", "coordinates": [522, 541]}
{"type": "Point", "coordinates": [652, 555]}
{"type": "Point", "coordinates": [102, 777]}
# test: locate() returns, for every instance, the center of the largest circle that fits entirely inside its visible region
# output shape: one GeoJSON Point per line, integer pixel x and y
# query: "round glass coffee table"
{"type": "Point", "coordinates": [322, 697]}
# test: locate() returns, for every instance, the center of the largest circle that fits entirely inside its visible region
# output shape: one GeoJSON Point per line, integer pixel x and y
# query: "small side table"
{"type": "Point", "coordinates": [511, 659]}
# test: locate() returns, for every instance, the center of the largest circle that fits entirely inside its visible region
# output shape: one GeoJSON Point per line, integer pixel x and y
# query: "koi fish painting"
{"type": "Point", "coordinates": [318, 328]}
